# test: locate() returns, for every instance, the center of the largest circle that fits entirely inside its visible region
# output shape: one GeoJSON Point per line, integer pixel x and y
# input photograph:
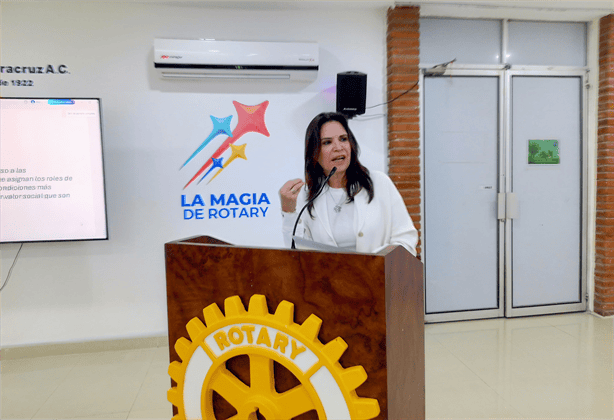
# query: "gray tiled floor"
{"type": "Point", "coordinates": [556, 366]}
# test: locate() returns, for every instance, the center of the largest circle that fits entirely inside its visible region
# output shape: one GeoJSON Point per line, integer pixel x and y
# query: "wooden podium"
{"type": "Point", "coordinates": [373, 301]}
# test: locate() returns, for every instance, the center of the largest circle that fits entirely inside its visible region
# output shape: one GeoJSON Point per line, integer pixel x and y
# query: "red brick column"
{"type": "Point", "coordinates": [604, 230]}
{"type": "Point", "coordinates": [403, 45]}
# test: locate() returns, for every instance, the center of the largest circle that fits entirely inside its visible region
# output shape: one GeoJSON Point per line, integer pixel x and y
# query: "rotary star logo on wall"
{"type": "Point", "coordinates": [250, 119]}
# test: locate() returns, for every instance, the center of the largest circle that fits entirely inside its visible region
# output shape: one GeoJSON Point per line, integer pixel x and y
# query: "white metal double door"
{"type": "Point", "coordinates": [502, 236]}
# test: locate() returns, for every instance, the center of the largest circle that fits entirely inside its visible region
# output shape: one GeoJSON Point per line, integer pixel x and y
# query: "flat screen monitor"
{"type": "Point", "coordinates": [51, 170]}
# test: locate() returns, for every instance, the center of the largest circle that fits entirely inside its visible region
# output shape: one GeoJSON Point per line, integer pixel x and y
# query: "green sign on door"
{"type": "Point", "coordinates": [544, 152]}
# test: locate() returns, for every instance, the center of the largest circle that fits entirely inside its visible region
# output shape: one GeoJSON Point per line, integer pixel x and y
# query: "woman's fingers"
{"type": "Point", "coordinates": [289, 193]}
{"type": "Point", "coordinates": [292, 187]}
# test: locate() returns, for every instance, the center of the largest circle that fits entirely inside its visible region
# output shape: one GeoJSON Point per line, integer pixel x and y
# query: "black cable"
{"type": "Point", "coordinates": [444, 65]}
{"type": "Point", "coordinates": [11, 269]}
{"type": "Point", "coordinates": [394, 99]}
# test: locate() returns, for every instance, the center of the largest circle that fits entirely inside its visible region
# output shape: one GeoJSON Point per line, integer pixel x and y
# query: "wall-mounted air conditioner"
{"type": "Point", "coordinates": [186, 59]}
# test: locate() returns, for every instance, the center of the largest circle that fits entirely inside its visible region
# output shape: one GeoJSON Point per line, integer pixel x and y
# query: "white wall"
{"type": "Point", "coordinates": [79, 291]}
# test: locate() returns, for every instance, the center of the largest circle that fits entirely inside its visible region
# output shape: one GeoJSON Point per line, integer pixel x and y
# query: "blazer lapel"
{"type": "Point", "coordinates": [321, 214]}
{"type": "Point", "coordinates": [360, 210]}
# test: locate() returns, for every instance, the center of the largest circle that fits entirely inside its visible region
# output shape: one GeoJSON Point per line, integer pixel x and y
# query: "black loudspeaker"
{"type": "Point", "coordinates": [351, 93]}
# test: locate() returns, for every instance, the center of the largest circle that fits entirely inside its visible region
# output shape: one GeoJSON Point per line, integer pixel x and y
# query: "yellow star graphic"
{"type": "Point", "coordinates": [237, 152]}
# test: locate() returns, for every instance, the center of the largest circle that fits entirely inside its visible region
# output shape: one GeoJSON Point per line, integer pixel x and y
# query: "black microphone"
{"type": "Point", "coordinates": [332, 172]}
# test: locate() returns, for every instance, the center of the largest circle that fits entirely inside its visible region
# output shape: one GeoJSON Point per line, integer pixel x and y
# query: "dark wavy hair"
{"type": "Point", "coordinates": [357, 176]}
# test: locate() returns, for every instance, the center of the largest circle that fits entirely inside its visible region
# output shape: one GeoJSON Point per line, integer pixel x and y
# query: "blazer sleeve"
{"type": "Point", "coordinates": [287, 225]}
{"type": "Point", "coordinates": [403, 232]}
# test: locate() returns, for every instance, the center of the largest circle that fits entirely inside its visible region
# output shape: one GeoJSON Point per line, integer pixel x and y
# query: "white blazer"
{"type": "Point", "coordinates": [382, 222]}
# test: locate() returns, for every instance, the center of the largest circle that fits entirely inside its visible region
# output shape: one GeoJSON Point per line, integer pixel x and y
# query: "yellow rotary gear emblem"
{"type": "Point", "coordinates": [324, 385]}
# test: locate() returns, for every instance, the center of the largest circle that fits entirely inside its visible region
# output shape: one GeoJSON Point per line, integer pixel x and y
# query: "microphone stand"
{"type": "Point", "coordinates": [332, 172]}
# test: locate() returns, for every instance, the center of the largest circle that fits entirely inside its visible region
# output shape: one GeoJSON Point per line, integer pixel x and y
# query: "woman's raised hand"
{"type": "Point", "coordinates": [289, 193]}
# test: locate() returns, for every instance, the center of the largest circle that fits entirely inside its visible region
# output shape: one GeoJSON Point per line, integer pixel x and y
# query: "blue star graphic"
{"type": "Point", "coordinates": [217, 163]}
{"type": "Point", "coordinates": [220, 126]}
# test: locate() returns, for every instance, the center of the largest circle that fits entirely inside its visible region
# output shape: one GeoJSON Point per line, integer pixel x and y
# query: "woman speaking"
{"type": "Point", "coordinates": [357, 210]}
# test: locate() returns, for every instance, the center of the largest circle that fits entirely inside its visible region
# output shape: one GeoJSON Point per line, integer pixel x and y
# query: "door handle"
{"type": "Point", "coordinates": [511, 206]}
{"type": "Point", "coordinates": [507, 206]}
{"type": "Point", "coordinates": [501, 206]}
